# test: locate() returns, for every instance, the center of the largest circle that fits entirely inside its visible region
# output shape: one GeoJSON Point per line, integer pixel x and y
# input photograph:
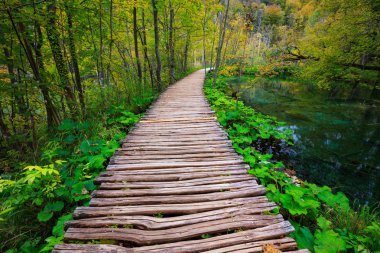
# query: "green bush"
{"type": "Point", "coordinates": [37, 202]}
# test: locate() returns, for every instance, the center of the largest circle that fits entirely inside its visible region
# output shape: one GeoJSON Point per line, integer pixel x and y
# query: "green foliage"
{"type": "Point", "coordinates": [47, 194]}
{"type": "Point", "coordinates": [311, 208]}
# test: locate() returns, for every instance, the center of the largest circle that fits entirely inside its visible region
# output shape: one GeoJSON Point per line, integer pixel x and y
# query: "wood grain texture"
{"type": "Point", "coordinates": [175, 179]}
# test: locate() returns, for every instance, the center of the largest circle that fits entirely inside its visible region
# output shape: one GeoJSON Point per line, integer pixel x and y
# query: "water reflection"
{"type": "Point", "coordinates": [337, 141]}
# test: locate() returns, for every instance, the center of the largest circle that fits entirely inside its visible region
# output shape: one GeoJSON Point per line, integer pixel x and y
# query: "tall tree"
{"type": "Point", "coordinates": [143, 39]}
{"type": "Point", "coordinates": [171, 44]}
{"type": "Point", "coordinates": [157, 45]}
{"type": "Point", "coordinates": [36, 65]}
{"type": "Point", "coordinates": [53, 37]}
{"type": "Point", "coordinates": [222, 31]}
{"type": "Point", "coordinates": [73, 54]}
{"type": "Point", "coordinates": [135, 31]}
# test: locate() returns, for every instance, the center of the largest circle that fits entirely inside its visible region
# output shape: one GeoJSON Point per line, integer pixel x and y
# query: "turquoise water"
{"type": "Point", "coordinates": [337, 141]}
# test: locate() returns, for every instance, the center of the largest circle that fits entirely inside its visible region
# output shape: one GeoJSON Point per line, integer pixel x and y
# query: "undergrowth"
{"type": "Point", "coordinates": [323, 220]}
{"type": "Point", "coordinates": [37, 201]}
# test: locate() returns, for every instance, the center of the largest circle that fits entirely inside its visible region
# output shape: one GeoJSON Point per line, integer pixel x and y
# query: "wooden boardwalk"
{"type": "Point", "coordinates": [177, 185]}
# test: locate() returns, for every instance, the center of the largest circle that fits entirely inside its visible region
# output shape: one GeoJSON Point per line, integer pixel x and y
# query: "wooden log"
{"type": "Point", "coordinates": [148, 237]}
{"type": "Point", "coordinates": [174, 184]}
{"type": "Point", "coordinates": [117, 197]}
{"type": "Point", "coordinates": [162, 190]}
{"type": "Point", "coordinates": [137, 156]}
{"type": "Point", "coordinates": [179, 209]}
{"type": "Point", "coordinates": [219, 168]}
{"type": "Point", "coordinates": [173, 165]}
{"type": "Point", "coordinates": [168, 177]}
{"type": "Point", "coordinates": [283, 244]}
{"type": "Point", "coordinates": [90, 248]}
{"type": "Point", "coordinates": [259, 234]}
{"type": "Point", "coordinates": [153, 223]}
{"type": "Point", "coordinates": [126, 195]}
{"type": "Point", "coordinates": [171, 150]}
{"type": "Point", "coordinates": [172, 160]}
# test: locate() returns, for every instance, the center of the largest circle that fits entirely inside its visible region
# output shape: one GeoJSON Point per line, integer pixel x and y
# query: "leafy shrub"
{"type": "Point", "coordinates": [44, 196]}
{"type": "Point", "coordinates": [276, 69]}
{"type": "Point", "coordinates": [229, 70]}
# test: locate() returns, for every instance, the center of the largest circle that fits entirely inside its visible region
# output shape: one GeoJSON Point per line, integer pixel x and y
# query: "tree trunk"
{"type": "Point", "coordinates": [109, 73]}
{"type": "Point", "coordinates": [212, 48]}
{"type": "Point", "coordinates": [63, 73]}
{"type": "Point", "coordinates": [74, 58]}
{"type": "Point", "coordinates": [145, 48]}
{"type": "Point", "coordinates": [186, 52]}
{"type": "Point", "coordinates": [204, 36]}
{"type": "Point", "coordinates": [12, 76]}
{"type": "Point", "coordinates": [222, 31]}
{"type": "Point", "coordinates": [95, 51]}
{"type": "Point", "coordinates": [156, 46]}
{"type": "Point", "coordinates": [3, 127]}
{"type": "Point", "coordinates": [171, 45]}
{"type": "Point", "coordinates": [139, 73]}
{"type": "Point", "coordinates": [51, 112]}
{"type": "Point", "coordinates": [101, 41]}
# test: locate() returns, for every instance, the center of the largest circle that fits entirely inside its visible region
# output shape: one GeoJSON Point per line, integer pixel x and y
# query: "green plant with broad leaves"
{"type": "Point", "coordinates": [44, 196]}
{"type": "Point", "coordinates": [312, 209]}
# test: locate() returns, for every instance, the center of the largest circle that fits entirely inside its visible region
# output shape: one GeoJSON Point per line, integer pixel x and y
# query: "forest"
{"type": "Point", "coordinates": [76, 76]}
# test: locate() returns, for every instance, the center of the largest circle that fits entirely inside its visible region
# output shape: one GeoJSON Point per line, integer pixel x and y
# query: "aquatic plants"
{"type": "Point", "coordinates": [311, 208]}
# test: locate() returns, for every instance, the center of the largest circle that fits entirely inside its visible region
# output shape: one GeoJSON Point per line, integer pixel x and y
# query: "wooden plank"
{"type": "Point", "coordinates": [186, 120]}
{"type": "Point", "coordinates": [227, 168]}
{"type": "Point", "coordinates": [143, 160]}
{"type": "Point", "coordinates": [174, 184]}
{"type": "Point", "coordinates": [168, 209]}
{"type": "Point", "coordinates": [168, 177]}
{"type": "Point", "coordinates": [173, 150]}
{"type": "Point", "coordinates": [148, 237]}
{"type": "Point", "coordinates": [144, 139]}
{"type": "Point", "coordinates": [118, 197]}
{"type": "Point", "coordinates": [138, 156]}
{"type": "Point", "coordinates": [163, 190]}
{"type": "Point", "coordinates": [283, 244]}
{"type": "Point", "coordinates": [259, 234]}
{"type": "Point", "coordinates": [196, 144]}
{"type": "Point", "coordinates": [153, 223]}
{"type": "Point", "coordinates": [90, 248]}
{"type": "Point", "coordinates": [173, 165]}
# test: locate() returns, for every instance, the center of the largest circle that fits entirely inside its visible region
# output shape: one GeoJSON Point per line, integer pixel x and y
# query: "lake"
{"type": "Point", "coordinates": [337, 141]}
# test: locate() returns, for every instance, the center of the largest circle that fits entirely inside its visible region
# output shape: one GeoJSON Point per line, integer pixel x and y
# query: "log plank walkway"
{"type": "Point", "coordinates": [177, 185]}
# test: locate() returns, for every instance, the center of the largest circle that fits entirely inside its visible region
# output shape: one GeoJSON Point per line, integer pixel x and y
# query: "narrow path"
{"type": "Point", "coordinates": [177, 185]}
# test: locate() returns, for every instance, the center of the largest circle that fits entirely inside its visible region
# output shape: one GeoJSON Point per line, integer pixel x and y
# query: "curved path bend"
{"type": "Point", "coordinates": [177, 185]}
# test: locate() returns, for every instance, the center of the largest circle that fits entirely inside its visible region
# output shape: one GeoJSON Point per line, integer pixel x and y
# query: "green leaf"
{"type": "Point", "coordinates": [332, 200]}
{"type": "Point", "coordinates": [55, 206]}
{"type": "Point", "coordinates": [96, 162]}
{"type": "Point", "coordinates": [323, 223]}
{"type": "Point", "coordinates": [89, 185]}
{"type": "Point", "coordinates": [303, 237]}
{"type": "Point", "coordinates": [44, 216]}
{"type": "Point", "coordinates": [328, 242]}
{"type": "Point", "coordinates": [67, 125]}
{"type": "Point", "coordinates": [58, 229]}
{"type": "Point", "coordinates": [77, 188]}
{"type": "Point", "coordinates": [85, 146]}
{"type": "Point", "coordinates": [70, 139]}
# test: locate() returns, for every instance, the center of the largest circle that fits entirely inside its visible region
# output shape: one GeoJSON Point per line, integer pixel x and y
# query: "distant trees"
{"type": "Point", "coordinates": [342, 43]}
